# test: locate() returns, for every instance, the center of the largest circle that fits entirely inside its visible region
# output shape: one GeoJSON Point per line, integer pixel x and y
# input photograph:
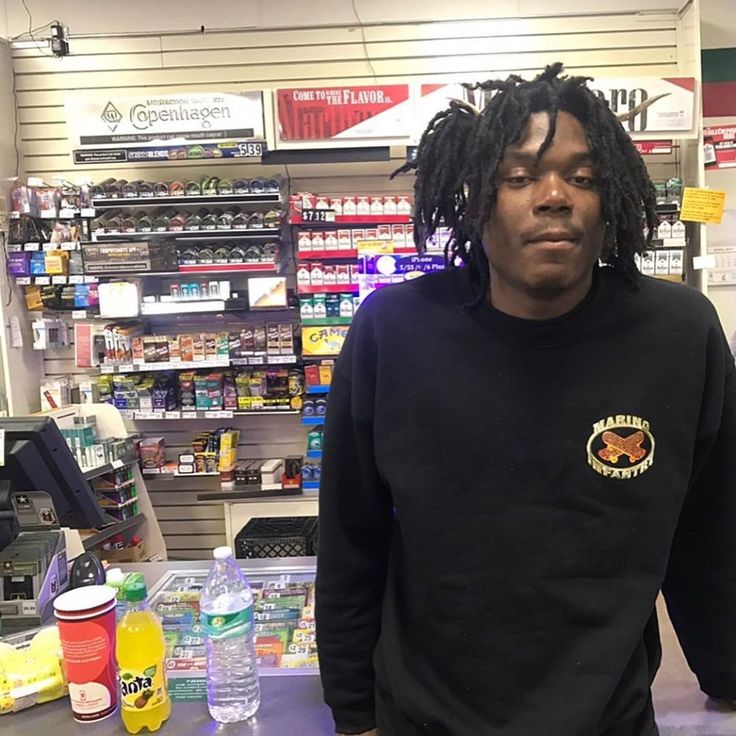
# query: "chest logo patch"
{"type": "Point", "coordinates": [621, 447]}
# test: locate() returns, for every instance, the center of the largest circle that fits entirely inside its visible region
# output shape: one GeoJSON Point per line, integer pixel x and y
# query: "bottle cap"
{"type": "Point", "coordinates": [222, 553]}
{"type": "Point", "coordinates": [136, 592]}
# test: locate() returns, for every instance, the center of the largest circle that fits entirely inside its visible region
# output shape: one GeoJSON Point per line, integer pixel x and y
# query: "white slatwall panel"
{"type": "Point", "coordinates": [605, 45]}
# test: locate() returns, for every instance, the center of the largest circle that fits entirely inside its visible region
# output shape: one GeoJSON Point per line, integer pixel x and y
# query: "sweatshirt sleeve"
{"type": "Point", "coordinates": [700, 586]}
{"type": "Point", "coordinates": [355, 516]}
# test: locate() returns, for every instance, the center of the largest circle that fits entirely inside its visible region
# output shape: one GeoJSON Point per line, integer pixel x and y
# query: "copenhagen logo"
{"type": "Point", "coordinates": [621, 447]}
{"type": "Point", "coordinates": [112, 116]}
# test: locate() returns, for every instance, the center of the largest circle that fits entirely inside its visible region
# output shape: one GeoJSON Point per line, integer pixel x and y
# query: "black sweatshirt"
{"type": "Point", "coordinates": [502, 500]}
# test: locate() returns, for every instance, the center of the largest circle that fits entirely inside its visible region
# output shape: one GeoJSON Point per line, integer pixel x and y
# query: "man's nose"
{"type": "Point", "coordinates": [553, 196]}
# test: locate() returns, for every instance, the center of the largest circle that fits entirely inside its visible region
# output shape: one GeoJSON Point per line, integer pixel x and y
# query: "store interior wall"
{"type": "Point", "coordinates": [310, 44]}
{"type": "Point", "coordinates": [718, 31]}
{"type": "Point", "coordinates": [19, 361]}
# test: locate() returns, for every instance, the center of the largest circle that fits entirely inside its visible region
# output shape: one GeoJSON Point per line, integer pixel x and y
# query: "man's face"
{"type": "Point", "coordinates": [546, 230]}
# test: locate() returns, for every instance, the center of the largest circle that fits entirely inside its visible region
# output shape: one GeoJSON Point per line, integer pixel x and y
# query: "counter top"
{"type": "Point", "coordinates": [292, 705]}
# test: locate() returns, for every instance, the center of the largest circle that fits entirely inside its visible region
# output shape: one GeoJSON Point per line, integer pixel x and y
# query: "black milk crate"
{"type": "Point", "coordinates": [278, 536]}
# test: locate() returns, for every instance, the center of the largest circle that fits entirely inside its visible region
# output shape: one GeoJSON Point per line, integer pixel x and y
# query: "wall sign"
{"type": "Point", "coordinates": [166, 128]}
{"type": "Point", "coordinates": [720, 147]}
{"type": "Point", "coordinates": [323, 340]}
{"type": "Point", "coordinates": [642, 104]}
{"type": "Point", "coordinates": [344, 113]}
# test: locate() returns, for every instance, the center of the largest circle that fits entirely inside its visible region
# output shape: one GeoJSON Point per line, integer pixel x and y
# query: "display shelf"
{"type": "Point", "coordinates": [195, 365]}
{"type": "Point", "coordinates": [45, 247]}
{"type": "Point", "coordinates": [327, 321]}
{"type": "Point", "coordinates": [65, 214]}
{"type": "Point", "coordinates": [254, 233]}
{"type": "Point", "coordinates": [314, 454]}
{"type": "Point", "coordinates": [229, 268]}
{"type": "Point", "coordinates": [295, 218]}
{"type": "Point", "coordinates": [55, 280]}
{"type": "Point", "coordinates": [179, 414]}
{"type": "Point", "coordinates": [312, 421]}
{"type": "Point", "coordinates": [321, 389]}
{"type": "Point", "coordinates": [107, 468]}
{"type": "Point", "coordinates": [167, 366]}
{"type": "Point", "coordinates": [250, 493]}
{"type": "Point", "coordinates": [200, 200]}
{"type": "Point", "coordinates": [329, 289]}
{"type": "Point", "coordinates": [306, 356]}
{"type": "Point", "coordinates": [110, 531]}
{"type": "Point", "coordinates": [202, 270]}
{"type": "Point", "coordinates": [335, 255]}
{"type": "Point", "coordinates": [204, 306]}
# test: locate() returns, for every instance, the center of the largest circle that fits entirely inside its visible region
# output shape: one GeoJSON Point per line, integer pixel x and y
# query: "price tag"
{"type": "Point", "coordinates": [258, 360]}
{"type": "Point", "coordinates": [69, 246]}
{"type": "Point", "coordinates": [76, 279]}
{"type": "Point", "coordinates": [31, 246]}
{"type": "Point", "coordinates": [218, 415]}
{"type": "Point", "coordinates": [79, 314]}
{"type": "Point", "coordinates": [15, 247]}
{"type": "Point", "coordinates": [116, 464]}
{"type": "Point", "coordinates": [67, 214]}
{"type": "Point", "coordinates": [15, 215]}
{"type": "Point", "coordinates": [127, 413]}
{"type": "Point", "coordinates": [91, 280]}
{"type": "Point", "coordinates": [172, 415]}
{"type": "Point", "coordinates": [126, 368]}
{"type": "Point", "coordinates": [281, 359]}
{"type": "Point", "coordinates": [50, 246]}
{"type": "Point", "coordinates": [42, 280]}
{"type": "Point", "coordinates": [87, 212]}
{"type": "Point", "coordinates": [321, 215]}
{"type": "Point", "coordinates": [58, 279]}
{"type": "Point", "coordinates": [250, 150]}
{"type": "Point", "coordinates": [48, 214]}
{"type": "Point", "coordinates": [107, 369]}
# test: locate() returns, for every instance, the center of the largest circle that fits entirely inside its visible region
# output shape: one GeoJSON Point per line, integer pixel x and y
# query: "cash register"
{"type": "Point", "coordinates": [41, 489]}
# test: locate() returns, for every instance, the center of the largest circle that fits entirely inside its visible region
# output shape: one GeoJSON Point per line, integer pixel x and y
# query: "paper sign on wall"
{"type": "Point", "coordinates": [719, 143]}
{"type": "Point", "coordinates": [702, 205]}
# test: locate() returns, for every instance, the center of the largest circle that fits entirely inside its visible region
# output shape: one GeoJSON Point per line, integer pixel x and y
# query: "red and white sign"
{"type": "Point", "coordinates": [653, 148]}
{"type": "Point", "coordinates": [344, 113]}
{"type": "Point", "coordinates": [720, 147]}
{"type": "Point", "coordinates": [644, 105]}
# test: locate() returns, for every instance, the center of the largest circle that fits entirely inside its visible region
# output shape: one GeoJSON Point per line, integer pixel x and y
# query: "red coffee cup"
{"type": "Point", "coordinates": [86, 619]}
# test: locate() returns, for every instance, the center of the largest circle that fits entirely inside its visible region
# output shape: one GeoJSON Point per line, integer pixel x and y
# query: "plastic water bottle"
{"type": "Point", "coordinates": [226, 614]}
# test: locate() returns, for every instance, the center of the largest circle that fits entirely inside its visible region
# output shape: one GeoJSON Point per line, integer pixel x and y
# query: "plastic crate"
{"type": "Point", "coordinates": [278, 536]}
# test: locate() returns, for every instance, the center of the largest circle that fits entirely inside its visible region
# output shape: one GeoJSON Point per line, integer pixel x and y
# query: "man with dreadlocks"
{"type": "Point", "coordinates": [523, 450]}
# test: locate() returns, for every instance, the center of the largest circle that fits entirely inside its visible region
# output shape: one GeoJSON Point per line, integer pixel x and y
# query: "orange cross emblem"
{"type": "Point", "coordinates": [617, 446]}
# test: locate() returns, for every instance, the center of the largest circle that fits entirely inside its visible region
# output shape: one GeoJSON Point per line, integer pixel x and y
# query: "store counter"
{"type": "Point", "coordinates": [292, 698]}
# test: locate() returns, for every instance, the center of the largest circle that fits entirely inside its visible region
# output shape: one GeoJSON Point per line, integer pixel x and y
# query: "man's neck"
{"type": "Point", "coordinates": [536, 305]}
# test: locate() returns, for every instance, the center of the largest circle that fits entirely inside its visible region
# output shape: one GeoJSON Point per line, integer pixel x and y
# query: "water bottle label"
{"type": "Point", "coordinates": [223, 624]}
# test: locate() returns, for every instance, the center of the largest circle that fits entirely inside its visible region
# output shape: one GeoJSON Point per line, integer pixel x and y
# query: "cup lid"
{"type": "Point", "coordinates": [84, 599]}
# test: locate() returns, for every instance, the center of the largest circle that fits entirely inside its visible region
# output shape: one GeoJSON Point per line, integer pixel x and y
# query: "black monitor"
{"type": "Point", "coordinates": [37, 458]}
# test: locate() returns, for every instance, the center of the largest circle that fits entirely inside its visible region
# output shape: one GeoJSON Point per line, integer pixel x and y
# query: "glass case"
{"type": "Point", "coordinates": [284, 616]}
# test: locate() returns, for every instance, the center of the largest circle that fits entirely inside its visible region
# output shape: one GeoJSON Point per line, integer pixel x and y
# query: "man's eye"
{"type": "Point", "coordinates": [583, 181]}
{"type": "Point", "coordinates": [518, 180]}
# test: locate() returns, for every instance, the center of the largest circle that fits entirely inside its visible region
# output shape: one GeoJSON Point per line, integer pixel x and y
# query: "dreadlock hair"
{"type": "Point", "coordinates": [461, 149]}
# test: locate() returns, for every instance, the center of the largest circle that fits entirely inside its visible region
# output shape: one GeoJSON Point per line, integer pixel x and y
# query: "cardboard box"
{"type": "Point", "coordinates": [129, 554]}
